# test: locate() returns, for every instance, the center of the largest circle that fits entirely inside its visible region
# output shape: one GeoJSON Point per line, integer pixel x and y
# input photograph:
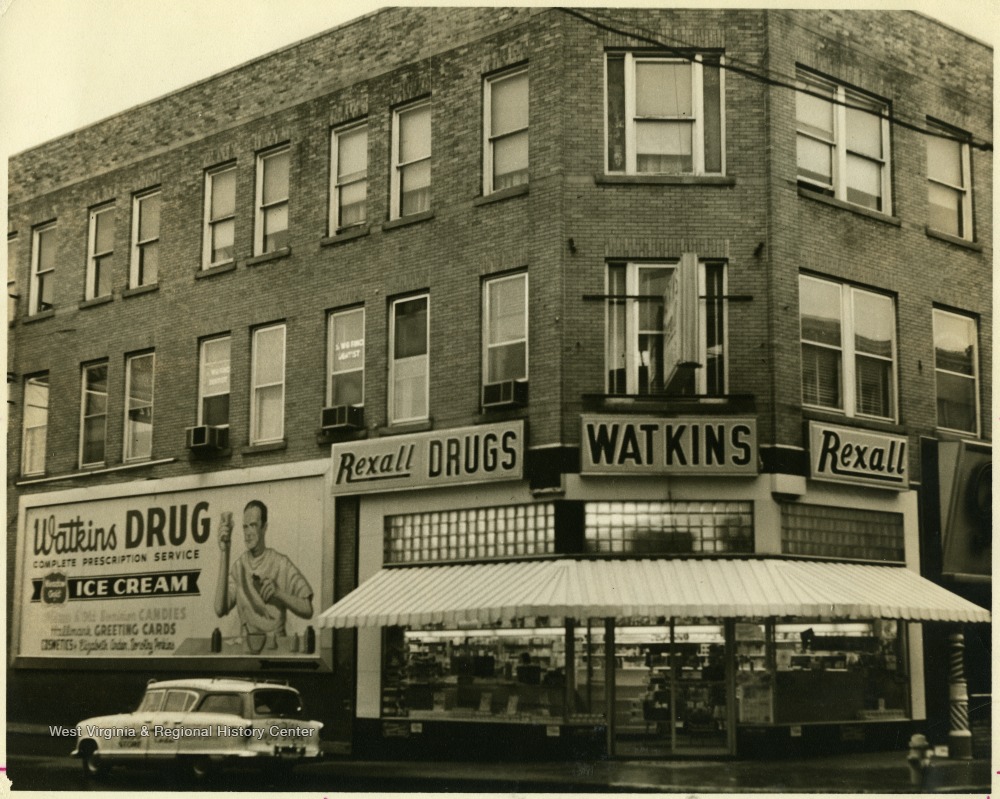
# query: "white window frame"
{"type": "Point", "coordinates": [137, 276]}
{"type": "Point", "coordinates": [94, 257]}
{"type": "Point", "coordinates": [395, 363]}
{"type": "Point", "coordinates": [964, 190]}
{"type": "Point", "coordinates": [211, 221]}
{"type": "Point", "coordinates": [33, 458]}
{"type": "Point", "coordinates": [489, 139]}
{"type": "Point", "coordinates": [395, 183]}
{"type": "Point", "coordinates": [40, 277]}
{"type": "Point", "coordinates": [261, 208]}
{"type": "Point", "coordinates": [331, 353]}
{"type": "Point", "coordinates": [84, 391]}
{"type": "Point", "coordinates": [488, 286]}
{"type": "Point", "coordinates": [256, 387]}
{"type": "Point", "coordinates": [975, 369]}
{"type": "Point", "coordinates": [337, 184]}
{"type": "Point", "coordinates": [133, 404]}
{"type": "Point", "coordinates": [849, 353]}
{"type": "Point", "coordinates": [842, 97]}
{"type": "Point", "coordinates": [203, 367]}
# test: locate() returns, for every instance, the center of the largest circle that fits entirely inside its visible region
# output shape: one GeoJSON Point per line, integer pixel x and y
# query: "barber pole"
{"type": "Point", "coordinates": [959, 737]}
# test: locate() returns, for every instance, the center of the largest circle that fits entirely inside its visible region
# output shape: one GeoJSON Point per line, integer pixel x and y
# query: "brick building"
{"type": "Point", "coordinates": [589, 365]}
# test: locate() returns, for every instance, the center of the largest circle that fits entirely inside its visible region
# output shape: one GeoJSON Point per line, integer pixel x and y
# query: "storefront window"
{"type": "Point", "coordinates": [669, 527]}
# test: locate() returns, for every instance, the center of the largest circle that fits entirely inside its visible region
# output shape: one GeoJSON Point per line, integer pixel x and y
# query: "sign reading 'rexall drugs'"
{"type": "Point", "coordinates": [847, 455]}
{"type": "Point", "coordinates": [458, 456]}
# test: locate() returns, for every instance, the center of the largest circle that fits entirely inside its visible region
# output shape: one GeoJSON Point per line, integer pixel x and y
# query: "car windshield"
{"type": "Point", "coordinates": [277, 703]}
{"type": "Point", "coordinates": [150, 702]}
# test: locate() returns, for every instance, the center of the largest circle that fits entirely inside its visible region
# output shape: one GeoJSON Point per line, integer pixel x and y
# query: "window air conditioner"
{"type": "Point", "coordinates": [343, 417]}
{"type": "Point", "coordinates": [207, 438]}
{"type": "Point", "coordinates": [506, 394]}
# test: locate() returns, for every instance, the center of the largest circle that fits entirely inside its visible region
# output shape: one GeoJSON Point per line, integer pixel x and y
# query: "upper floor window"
{"type": "Point", "coordinates": [213, 381]}
{"type": "Point", "coordinates": [145, 239]}
{"type": "Point", "coordinates": [409, 359]}
{"type": "Point", "coordinates": [956, 367]}
{"type": "Point", "coordinates": [505, 126]}
{"type": "Point", "coordinates": [664, 115]}
{"type": "Point", "coordinates": [411, 160]}
{"type": "Point", "coordinates": [100, 256]}
{"type": "Point", "coordinates": [36, 424]}
{"type": "Point", "coordinates": [139, 407]}
{"type": "Point", "coordinates": [666, 328]}
{"type": "Point", "coordinates": [220, 216]}
{"type": "Point", "coordinates": [43, 269]}
{"type": "Point", "coordinates": [505, 329]}
{"type": "Point", "coordinates": [11, 278]}
{"type": "Point", "coordinates": [271, 230]}
{"type": "Point", "coordinates": [94, 414]}
{"type": "Point", "coordinates": [346, 358]}
{"type": "Point", "coordinates": [949, 188]}
{"type": "Point", "coordinates": [349, 168]}
{"type": "Point", "coordinates": [842, 143]}
{"type": "Point", "coordinates": [267, 409]}
{"type": "Point", "coordinates": [848, 348]}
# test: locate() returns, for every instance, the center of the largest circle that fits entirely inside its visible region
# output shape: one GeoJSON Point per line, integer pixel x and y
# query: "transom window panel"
{"type": "Point", "coordinates": [36, 424]}
{"type": "Point", "coordinates": [220, 216]}
{"type": "Point", "coordinates": [100, 264]}
{"type": "Point", "coordinates": [139, 407]}
{"type": "Point", "coordinates": [664, 115]}
{"type": "Point", "coordinates": [831, 531]}
{"type": "Point", "coordinates": [843, 142]}
{"type": "Point", "coordinates": [267, 419]}
{"type": "Point", "coordinates": [349, 196]}
{"type": "Point", "coordinates": [213, 381]}
{"type": "Point", "coordinates": [668, 527]}
{"type": "Point", "coordinates": [409, 361]}
{"type": "Point", "coordinates": [145, 240]}
{"type": "Point", "coordinates": [93, 414]}
{"type": "Point", "coordinates": [43, 269]}
{"type": "Point", "coordinates": [949, 188]}
{"type": "Point", "coordinates": [346, 352]}
{"type": "Point", "coordinates": [411, 160]}
{"type": "Point", "coordinates": [956, 366]}
{"type": "Point", "coordinates": [271, 232]}
{"type": "Point", "coordinates": [471, 534]}
{"type": "Point", "coordinates": [505, 353]}
{"type": "Point", "coordinates": [506, 126]}
{"type": "Point", "coordinates": [848, 348]}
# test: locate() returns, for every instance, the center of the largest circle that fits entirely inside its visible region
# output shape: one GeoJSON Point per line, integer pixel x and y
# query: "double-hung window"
{"type": "Point", "coordinates": [666, 328]}
{"type": "Point", "coordinates": [505, 329]}
{"type": "Point", "coordinates": [345, 385]}
{"type": "Point", "coordinates": [100, 256]}
{"type": "Point", "coordinates": [93, 414]}
{"type": "Point", "coordinates": [139, 406]}
{"type": "Point", "coordinates": [949, 188]}
{"type": "Point", "coordinates": [409, 360]}
{"type": "Point", "coordinates": [271, 230]}
{"type": "Point", "coordinates": [665, 114]}
{"type": "Point", "coordinates": [43, 268]}
{"type": "Point", "coordinates": [956, 367]}
{"type": "Point", "coordinates": [220, 216]}
{"type": "Point", "coordinates": [842, 143]}
{"type": "Point", "coordinates": [213, 382]}
{"type": "Point", "coordinates": [145, 239]}
{"type": "Point", "coordinates": [36, 424]}
{"type": "Point", "coordinates": [410, 180]}
{"type": "Point", "coordinates": [848, 349]}
{"type": "Point", "coordinates": [267, 409]}
{"type": "Point", "coordinates": [505, 105]}
{"type": "Point", "coordinates": [11, 279]}
{"type": "Point", "coordinates": [349, 169]}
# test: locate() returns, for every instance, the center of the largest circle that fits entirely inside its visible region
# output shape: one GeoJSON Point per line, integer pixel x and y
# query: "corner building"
{"type": "Point", "coordinates": [586, 363]}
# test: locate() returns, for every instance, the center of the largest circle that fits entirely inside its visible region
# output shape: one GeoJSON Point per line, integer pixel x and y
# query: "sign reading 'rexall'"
{"type": "Point", "coordinates": [847, 455]}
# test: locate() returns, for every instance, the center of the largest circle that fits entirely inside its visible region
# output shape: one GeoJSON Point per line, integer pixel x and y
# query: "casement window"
{"type": "Point", "coordinates": [848, 349]}
{"type": "Point", "coordinates": [100, 255]}
{"type": "Point", "coordinates": [267, 407]}
{"type": "Point", "coordinates": [409, 360]}
{"type": "Point", "coordinates": [271, 229]}
{"type": "Point", "coordinates": [220, 216]}
{"type": "Point", "coordinates": [139, 406]}
{"type": "Point", "coordinates": [505, 329]}
{"type": "Point", "coordinates": [93, 414]}
{"type": "Point", "coordinates": [956, 368]}
{"type": "Point", "coordinates": [666, 328]}
{"type": "Point", "coordinates": [665, 115]}
{"type": "Point", "coordinates": [411, 160]}
{"type": "Point", "coordinates": [949, 187]}
{"type": "Point", "coordinates": [345, 384]}
{"type": "Point", "coordinates": [213, 381]}
{"type": "Point", "coordinates": [349, 170]}
{"type": "Point", "coordinates": [43, 269]}
{"type": "Point", "coordinates": [842, 143]}
{"type": "Point", "coordinates": [11, 279]}
{"type": "Point", "coordinates": [505, 126]}
{"type": "Point", "coordinates": [36, 424]}
{"type": "Point", "coordinates": [145, 239]}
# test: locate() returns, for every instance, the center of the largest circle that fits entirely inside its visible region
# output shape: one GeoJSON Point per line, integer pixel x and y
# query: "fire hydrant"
{"type": "Point", "coordinates": [919, 759]}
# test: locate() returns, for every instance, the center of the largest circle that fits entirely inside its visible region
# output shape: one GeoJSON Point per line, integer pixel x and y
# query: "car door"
{"type": "Point", "coordinates": [216, 724]}
{"type": "Point", "coordinates": [145, 716]}
{"type": "Point", "coordinates": [166, 728]}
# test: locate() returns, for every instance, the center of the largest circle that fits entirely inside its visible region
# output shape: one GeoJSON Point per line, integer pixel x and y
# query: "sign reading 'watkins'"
{"type": "Point", "coordinates": [846, 455]}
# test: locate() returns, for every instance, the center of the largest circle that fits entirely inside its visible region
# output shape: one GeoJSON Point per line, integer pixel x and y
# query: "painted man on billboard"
{"type": "Point", "coordinates": [263, 584]}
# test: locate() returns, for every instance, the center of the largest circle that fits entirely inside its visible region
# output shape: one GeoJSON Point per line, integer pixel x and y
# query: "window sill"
{"type": "Point", "coordinates": [832, 417]}
{"type": "Point", "coordinates": [140, 290]}
{"type": "Point", "coordinates": [878, 216]}
{"type": "Point", "coordinates": [948, 434]}
{"type": "Point", "coordinates": [95, 302]}
{"type": "Point", "coordinates": [502, 194]}
{"type": "Point", "coordinates": [675, 405]}
{"type": "Point", "coordinates": [506, 414]}
{"type": "Point", "coordinates": [271, 446]}
{"type": "Point", "coordinates": [346, 234]}
{"type": "Point", "coordinates": [218, 269]}
{"type": "Point", "coordinates": [96, 469]}
{"type": "Point", "coordinates": [38, 317]}
{"type": "Point", "coordinates": [664, 180]}
{"type": "Point", "coordinates": [267, 257]}
{"type": "Point", "coordinates": [412, 219]}
{"type": "Point", "coordinates": [406, 428]}
{"type": "Point", "coordinates": [975, 246]}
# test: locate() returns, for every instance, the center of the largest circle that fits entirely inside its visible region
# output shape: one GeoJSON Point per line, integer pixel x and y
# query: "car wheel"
{"type": "Point", "coordinates": [201, 768]}
{"type": "Point", "coordinates": [94, 765]}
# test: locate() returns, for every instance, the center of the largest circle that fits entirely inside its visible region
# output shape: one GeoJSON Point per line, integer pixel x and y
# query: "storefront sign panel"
{"type": "Point", "coordinates": [846, 455]}
{"type": "Point", "coordinates": [140, 576]}
{"type": "Point", "coordinates": [653, 445]}
{"type": "Point", "coordinates": [459, 456]}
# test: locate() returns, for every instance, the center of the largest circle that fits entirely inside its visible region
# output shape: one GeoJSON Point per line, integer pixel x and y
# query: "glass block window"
{"type": "Point", "coordinates": [471, 534]}
{"type": "Point", "coordinates": [668, 527]}
{"type": "Point", "coordinates": [830, 531]}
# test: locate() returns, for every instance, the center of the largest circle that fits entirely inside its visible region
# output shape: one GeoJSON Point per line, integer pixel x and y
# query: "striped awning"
{"type": "Point", "coordinates": [715, 588]}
